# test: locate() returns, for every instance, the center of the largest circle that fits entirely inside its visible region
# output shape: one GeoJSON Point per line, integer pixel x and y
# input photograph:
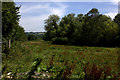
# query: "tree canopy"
{"type": "Point", "coordinates": [10, 22]}
{"type": "Point", "coordinates": [91, 29]}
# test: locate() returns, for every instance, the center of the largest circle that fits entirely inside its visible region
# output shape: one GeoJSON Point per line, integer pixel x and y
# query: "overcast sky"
{"type": "Point", "coordinates": [33, 14]}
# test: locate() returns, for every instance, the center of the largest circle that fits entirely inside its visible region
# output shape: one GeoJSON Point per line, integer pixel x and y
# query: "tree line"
{"type": "Point", "coordinates": [91, 29]}
{"type": "Point", "coordinates": [11, 30]}
{"type": "Point", "coordinates": [10, 22]}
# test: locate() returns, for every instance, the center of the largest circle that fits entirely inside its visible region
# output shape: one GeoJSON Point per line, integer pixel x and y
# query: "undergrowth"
{"type": "Point", "coordinates": [61, 62]}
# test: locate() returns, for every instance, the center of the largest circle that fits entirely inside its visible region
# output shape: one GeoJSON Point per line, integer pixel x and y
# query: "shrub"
{"type": "Point", "coordinates": [59, 40]}
{"type": "Point", "coordinates": [32, 37]}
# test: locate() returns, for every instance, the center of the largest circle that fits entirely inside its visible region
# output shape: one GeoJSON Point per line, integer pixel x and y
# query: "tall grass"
{"type": "Point", "coordinates": [63, 61]}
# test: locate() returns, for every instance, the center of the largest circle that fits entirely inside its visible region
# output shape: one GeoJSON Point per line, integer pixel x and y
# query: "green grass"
{"type": "Point", "coordinates": [22, 55]}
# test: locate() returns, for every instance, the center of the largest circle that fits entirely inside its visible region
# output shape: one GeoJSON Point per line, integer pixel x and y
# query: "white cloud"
{"type": "Point", "coordinates": [33, 23]}
{"type": "Point", "coordinates": [33, 16]}
{"type": "Point", "coordinates": [115, 2]}
{"type": "Point", "coordinates": [57, 12]}
{"type": "Point", "coordinates": [115, 11]}
{"type": "Point", "coordinates": [112, 14]}
{"type": "Point", "coordinates": [26, 9]}
{"type": "Point", "coordinates": [60, 11]}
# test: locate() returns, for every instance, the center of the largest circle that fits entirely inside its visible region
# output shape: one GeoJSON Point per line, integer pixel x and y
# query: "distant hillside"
{"type": "Point", "coordinates": [38, 34]}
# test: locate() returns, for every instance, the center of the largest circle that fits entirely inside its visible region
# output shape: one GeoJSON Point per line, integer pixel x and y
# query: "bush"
{"type": "Point", "coordinates": [59, 40]}
{"type": "Point", "coordinates": [32, 37]}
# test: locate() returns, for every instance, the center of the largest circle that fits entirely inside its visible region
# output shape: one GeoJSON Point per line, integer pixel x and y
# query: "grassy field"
{"type": "Point", "coordinates": [22, 55]}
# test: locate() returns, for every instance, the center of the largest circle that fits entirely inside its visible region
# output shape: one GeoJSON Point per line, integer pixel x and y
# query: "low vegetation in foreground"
{"type": "Point", "coordinates": [40, 59]}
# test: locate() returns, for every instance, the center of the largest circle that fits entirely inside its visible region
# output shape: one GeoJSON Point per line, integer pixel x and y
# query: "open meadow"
{"type": "Point", "coordinates": [58, 57]}
{"type": "Point", "coordinates": [60, 40]}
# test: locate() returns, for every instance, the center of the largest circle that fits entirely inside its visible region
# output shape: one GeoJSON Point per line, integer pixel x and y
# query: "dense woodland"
{"type": "Point", "coordinates": [91, 29]}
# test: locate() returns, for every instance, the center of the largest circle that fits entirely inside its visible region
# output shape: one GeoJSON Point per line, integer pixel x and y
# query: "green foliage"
{"type": "Point", "coordinates": [20, 35]}
{"type": "Point", "coordinates": [59, 61]}
{"type": "Point", "coordinates": [32, 37]}
{"type": "Point", "coordinates": [51, 25]}
{"type": "Point", "coordinates": [60, 40]}
{"type": "Point", "coordinates": [91, 29]}
{"type": "Point", "coordinates": [42, 67]}
{"type": "Point", "coordinates": [117, 20]}
{"type": "Point", "coordinates": [34, 68]}
{"type": "Point", "coordinates": [10, 22]}
{"type": "Point", "coordinates": [11, 31]}
{"type": "Point", "coordinates": [38, 35]}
